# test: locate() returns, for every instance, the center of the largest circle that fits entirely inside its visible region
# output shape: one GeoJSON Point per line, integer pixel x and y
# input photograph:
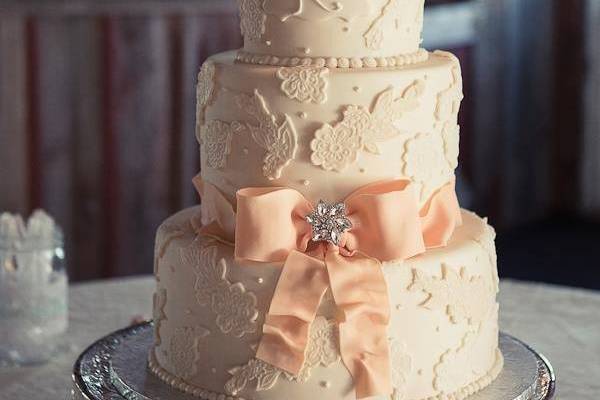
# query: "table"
{"type": "Point", "coordinates": [562, 323]}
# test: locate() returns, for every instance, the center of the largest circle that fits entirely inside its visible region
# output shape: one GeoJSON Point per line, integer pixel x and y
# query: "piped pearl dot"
{"type": "Point", "coordinates": [306, 50]}
{"type": "Point", "coordinates": [345, 29]}
{"type": "Point", "coordinates": [326, 384]}
{"type": "Point", "coordinates": [303, 115]}
{"type": "Point", "coordinates": [188, 311]}
{"type": "Point", "coordinates": [245, 150]}
{"type": "Point", "coordinates": [356, 89]}
{"type": "Point", "coordinates": [213, 370]}
{"type": "Point", "coordinates": [306, 182]}
{"type": "Point", "coordinates": [437, 329]}
{"type": "Point", "coordinates": [268, 42]}
{"type": "Point", "coordinates": [420, 372]}
{"type": "Point", "coordinates": [398, 306]}
{"type": "Point", "coordinates": [362, 170]}
{"type": "Point", "coordinates": [260, 280]}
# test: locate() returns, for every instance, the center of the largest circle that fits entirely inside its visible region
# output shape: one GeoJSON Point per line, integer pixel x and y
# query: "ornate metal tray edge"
{"type": "Point", "coordinates": [94, 378]}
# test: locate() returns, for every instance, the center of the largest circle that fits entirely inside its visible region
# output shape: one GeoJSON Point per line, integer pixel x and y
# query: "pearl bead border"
{"type": "Point", "coordinates": [183, 386]}
{"type": "Point", "coordinates": [419, 56]}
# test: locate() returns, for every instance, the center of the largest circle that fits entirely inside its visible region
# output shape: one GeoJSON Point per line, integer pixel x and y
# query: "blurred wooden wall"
{"type": "Point", "coordinates": [590, 166]}
{"type": "Point", "coordinates": [97, 113]}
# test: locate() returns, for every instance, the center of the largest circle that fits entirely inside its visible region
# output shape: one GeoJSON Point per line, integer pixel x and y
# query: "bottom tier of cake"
{"type": "Point", "coordinates": [209, 309]}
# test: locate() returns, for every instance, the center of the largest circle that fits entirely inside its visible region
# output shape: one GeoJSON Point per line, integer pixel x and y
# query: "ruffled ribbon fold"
{"type": "Point", "coordinates": [387, 224]}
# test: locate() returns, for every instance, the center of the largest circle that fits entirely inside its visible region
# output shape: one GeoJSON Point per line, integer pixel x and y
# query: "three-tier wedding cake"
{"type": "Point", "coordinates": [329, 258]}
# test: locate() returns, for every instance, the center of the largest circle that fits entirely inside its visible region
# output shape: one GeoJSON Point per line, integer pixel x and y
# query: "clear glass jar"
{"type": "Point", "coordinates": [33, 289]}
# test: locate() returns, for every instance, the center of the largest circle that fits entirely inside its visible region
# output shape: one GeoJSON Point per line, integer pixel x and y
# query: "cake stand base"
{"type": "Point", "coordinates": [115, 368]}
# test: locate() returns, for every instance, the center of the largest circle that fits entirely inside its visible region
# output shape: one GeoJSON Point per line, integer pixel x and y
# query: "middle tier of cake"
{"type": "Point", "coordinates": [326, 132]}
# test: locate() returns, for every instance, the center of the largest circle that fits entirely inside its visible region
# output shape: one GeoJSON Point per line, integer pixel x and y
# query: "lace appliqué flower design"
{"type": "Point", "coordinates": [252, 18]}
{"type": "Point", "coordinates": [425, 162]}
{"type": "Point", "coordinates": [464, 298]}
{"type": "Point", "coordinates": [159, 301]}
{"type": "Point", "coordinates": [451, 136]}
{"type": "Point", "coordinates": [336, 147]}
{"type": "Point", "coordinates": [215, 138]}
{"type": "Point", "coordinates": [234, 306]}
{"type": "Point", "coordinates": [322, 349]}
{"type": "Point", "coordinates": [401, 363]}
{"type": "Point", "coordinates": [184, 352]}
{"type": "Point", "coordinates": [279, 140]}
{"type": "Point", "coordinates": [305, 84]}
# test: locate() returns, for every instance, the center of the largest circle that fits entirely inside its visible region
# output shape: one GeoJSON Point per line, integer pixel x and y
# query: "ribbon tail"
{"type": "Point", "coordinates": [361, 295]}
{"type": "Point", "coordinates": [301, 286]}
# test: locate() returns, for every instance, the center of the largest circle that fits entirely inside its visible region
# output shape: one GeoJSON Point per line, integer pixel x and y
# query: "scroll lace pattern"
{"type": "Point", "coordinates": [205, 89]}
{"type": "Point", "coordinates": [401, 367]}
{"type": "Point", "coordinates": [449, 100]}
{"type": "Point", "coordinates": [278, 139]}
{"type": "Point", "coordinates": [463, 297]}
{"type": "Point", "coordinates": [159, 303]}
{"type": "Point", "coordinates": [322, 349]}
{"type": "Point", "coordinates": [216, 137]}
{"type": "Point", "coordinates": [446, 113]}
{"type": "Point", "coordinates": [235, 308]}
{"type": "Point", "coordinates": [184, 351]}
{"type": "Point", "coordinates": [374, 35]}
{"type": "Point", "coordinates": [446, 373]}
{"type": "Point", "coordinates": [336, 147]}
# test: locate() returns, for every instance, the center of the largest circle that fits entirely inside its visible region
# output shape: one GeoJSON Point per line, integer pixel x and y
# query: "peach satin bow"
{"type": "Point", "coordinates": [386, 225]}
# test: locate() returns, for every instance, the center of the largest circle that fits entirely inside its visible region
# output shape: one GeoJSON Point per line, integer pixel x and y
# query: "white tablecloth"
{"type": "Point", "coordinates": [562, 323]}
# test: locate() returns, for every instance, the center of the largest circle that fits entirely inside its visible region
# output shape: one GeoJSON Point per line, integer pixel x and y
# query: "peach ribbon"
{"type": "Point", "coordinates": [269, 226]}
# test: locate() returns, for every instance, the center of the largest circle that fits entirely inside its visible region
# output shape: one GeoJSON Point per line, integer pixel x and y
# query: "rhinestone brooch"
{"type": "Point", "coordinates": [328, 222]}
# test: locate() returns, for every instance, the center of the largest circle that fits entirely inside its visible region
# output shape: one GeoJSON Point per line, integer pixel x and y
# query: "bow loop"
{"type": "Point", "coordinates": [386, 221]}
{"type": "Point", "coordinates": [270, 224]}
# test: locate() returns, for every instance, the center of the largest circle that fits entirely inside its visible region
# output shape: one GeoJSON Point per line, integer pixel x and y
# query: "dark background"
{"type": "Point", "coordinates": [97, 122]}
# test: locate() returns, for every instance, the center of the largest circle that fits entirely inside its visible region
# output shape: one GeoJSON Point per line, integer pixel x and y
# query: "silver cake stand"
{"type": "Point", "coordinates": [114, 368]}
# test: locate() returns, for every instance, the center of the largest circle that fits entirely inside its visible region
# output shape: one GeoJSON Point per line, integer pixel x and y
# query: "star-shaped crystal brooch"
{"type": "Point", "coordinates": [328, 222]}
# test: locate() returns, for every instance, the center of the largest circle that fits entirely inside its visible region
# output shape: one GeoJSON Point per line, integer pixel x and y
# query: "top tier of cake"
{"type": "Point", "coordinates": [355, 31]}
